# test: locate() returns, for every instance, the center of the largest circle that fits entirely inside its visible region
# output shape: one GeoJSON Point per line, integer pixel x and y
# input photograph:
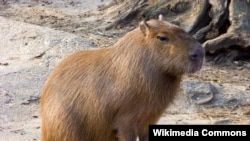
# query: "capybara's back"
{"type": "Point", "coordinates": [113, 94]}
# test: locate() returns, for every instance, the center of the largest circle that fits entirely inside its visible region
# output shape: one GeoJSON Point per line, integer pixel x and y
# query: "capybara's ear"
{"type": "Point", "coordinates": [160, 18]}
{"type": "Point", "coordinates": [144, 27]}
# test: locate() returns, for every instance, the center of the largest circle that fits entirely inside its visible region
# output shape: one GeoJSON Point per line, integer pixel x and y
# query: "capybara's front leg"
{"type": "Point", "coordinates": [143, 137]}
{"type": "Point", "coordinates": [143, 133]}
{"type": "Point", "coordinates": [126, 133]}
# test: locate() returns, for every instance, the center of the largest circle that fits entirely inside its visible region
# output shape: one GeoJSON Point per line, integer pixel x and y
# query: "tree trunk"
{"type": "Point", "coordinates": [222, 26]}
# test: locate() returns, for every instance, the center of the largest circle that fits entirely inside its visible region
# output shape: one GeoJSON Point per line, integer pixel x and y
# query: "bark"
{"type": "Point", "coordinates": [222, 26]}
{"type": "Point", "coordinates": [235, 40]}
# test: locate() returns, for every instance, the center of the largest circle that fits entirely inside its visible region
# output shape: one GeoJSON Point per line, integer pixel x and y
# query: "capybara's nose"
{"type": "Point", "coordinates": [194, 57]}
{"type": "Point", "coordinates": [197, 53]}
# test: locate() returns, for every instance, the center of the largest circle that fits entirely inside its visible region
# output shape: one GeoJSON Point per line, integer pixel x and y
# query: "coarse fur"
{"type": "Point", "coordinates": [114, 93]}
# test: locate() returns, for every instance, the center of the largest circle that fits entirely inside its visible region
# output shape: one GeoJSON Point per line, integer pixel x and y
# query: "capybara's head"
{"type": "Point", "coordinates": [177, 51]}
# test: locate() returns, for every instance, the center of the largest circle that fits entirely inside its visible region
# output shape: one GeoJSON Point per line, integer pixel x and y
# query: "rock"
{"type": "Point", "coordinates": [192, 95]}
{"type": "Point", "coordinates": [196, 94]}
{"type": "Point", "coordinates": [199, 92]}
{"type": "Point", "coordinates": [215, 94]}
{"type": "Point", "coordinates": [232, 95]}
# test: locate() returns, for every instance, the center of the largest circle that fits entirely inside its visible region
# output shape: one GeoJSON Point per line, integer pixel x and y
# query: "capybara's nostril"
{"type": "Point", "coordinates": [197, 53]}
{"type": "Point", "coordinates": [194, 57]}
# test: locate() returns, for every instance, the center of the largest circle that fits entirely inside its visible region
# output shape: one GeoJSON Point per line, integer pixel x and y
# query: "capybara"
{"type": "Point", "coordinates": [114, 93]}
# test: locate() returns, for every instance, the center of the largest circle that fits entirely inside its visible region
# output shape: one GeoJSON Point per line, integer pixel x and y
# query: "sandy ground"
{"type": "Point", "coordinates": [81, 17]}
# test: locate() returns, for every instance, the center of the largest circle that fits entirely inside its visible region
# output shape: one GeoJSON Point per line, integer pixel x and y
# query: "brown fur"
{"type": "Point", "coordinates": [114, 93]}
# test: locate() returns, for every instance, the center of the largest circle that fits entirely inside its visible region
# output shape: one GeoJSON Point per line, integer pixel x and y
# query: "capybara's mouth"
{"type": "Point", "coordinates": [195, 66]}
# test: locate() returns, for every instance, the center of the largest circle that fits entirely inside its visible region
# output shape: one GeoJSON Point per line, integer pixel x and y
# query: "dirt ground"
{"type": "Point", "coordinates": [83, 18]}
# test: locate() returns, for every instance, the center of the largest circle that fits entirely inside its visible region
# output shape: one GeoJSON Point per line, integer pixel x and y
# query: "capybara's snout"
{"type": "Point", "coordinates": [196, 57]}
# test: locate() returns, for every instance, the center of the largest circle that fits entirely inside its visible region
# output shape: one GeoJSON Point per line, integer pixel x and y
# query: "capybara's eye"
{"type": "Point", "coordinates": [162, 38]}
